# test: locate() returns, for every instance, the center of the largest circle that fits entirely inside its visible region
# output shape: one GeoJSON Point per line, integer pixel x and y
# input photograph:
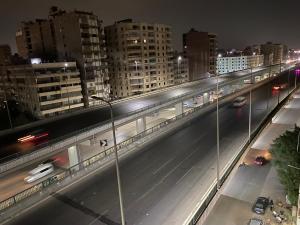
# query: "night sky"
{"type": "Point", "coordinates": [238, 23]}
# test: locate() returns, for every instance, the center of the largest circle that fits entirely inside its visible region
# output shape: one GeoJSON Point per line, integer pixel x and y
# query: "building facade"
{"type": "Point", "coordinates": [45, 89]}
{"type": "Point", "coordinates": [5, 55]}
{"type": "Point", "coordinates": [79, 36]}
{"type": "Point", "coordinates": [200, 50]}
{"type": "Point", "coordinates": [139, 57]}
{"type": "Point", "coordinates": [69, 36]}
{"type": "Point", "coordinates": [273, 53]}
{"type": "Point", "coordinates": [180, 68]}
{"type": "Point", "coordinates": [231, 64]}
{"type": "Point", "coordinates": [35, 39]}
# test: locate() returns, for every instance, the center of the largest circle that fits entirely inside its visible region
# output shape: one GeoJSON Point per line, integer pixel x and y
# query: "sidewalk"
{"type": "Point", "coordinates": [251, 181]}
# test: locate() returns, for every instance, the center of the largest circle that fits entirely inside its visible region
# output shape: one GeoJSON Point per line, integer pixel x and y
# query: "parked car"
{"type": "Point", "coordinates": [260, 160]}
{"type": "Point", "coordinates": [260, 205]}
{"type": "Point", "coordinates": [255, 221]}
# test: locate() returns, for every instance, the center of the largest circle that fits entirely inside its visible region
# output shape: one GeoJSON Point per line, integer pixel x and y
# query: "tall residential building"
{"type": "Point", "coordinates": [79, 36]}
{"type": "Point", "coordinates": [231, 64]}
{"type": "Point", "coordinates": [35, 39]}
{"type": "Point", "coordinates": [44, 89]}
{"type": "Point", "coordinates": [270, 49]}
{"type": "Point", "coordinates": [68, 36]}
{"type": "Point", "coordinates": [180, 68]}
{"type": "Point", "coordinates": [200, 49]}
{"type": "Point", "coordinates": [5, 55]}
{"type": "Point", "coordinates": [139, 57]}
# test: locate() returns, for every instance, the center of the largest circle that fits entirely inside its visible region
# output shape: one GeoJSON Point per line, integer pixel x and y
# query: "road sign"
{"type": "Point", "coordinates": [103, 143]}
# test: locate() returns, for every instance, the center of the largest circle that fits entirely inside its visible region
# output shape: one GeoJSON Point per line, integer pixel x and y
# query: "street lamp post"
{"type": "Point", "coordinates": [250, 107]}
{"type": "Point", "coordinates": [178, 63]}
{"type": "Point", "coordinates": [8, 114]}
{"type": "Point", "coordinates": [218, 136]}
{"type": "Point", "coordinates": [117, 159]}
{"type": "Point", "coordinates": [7, 110]}
{"type": "Point", "coordinates": [67, 86]}
{"type": "Point", "coordinates": [289, 81]}
{"type": "Point", "coordinates": [295, 79]}
{"type": "Point", "coordinates": [298, 141]}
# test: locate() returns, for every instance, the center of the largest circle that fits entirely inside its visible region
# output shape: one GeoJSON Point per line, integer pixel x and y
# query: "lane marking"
{"type": "Point", "coordinates": [184, 175]}
{"type": "Point", "coordinates": [163, 165]}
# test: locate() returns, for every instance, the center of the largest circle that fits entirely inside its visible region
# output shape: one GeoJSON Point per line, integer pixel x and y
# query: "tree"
{"type": "Point", "coordinates": [284, 153]}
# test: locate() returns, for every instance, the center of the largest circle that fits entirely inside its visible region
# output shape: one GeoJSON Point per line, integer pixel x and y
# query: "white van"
{"type": "Point", "coordinates": [39, 172]}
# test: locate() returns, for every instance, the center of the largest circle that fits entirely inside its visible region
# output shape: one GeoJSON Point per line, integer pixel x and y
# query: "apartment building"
{"type": "Point", "coordinates": [200, 50]}
{"type": "Point", "coordinates": [231, 64]}
{"type": "Point", "coordinates": [79, 36]}
{"type": "Point", "coordinates": [43, 89]}
{"type": "Point", "coordinates": [139, 57]}
{"type": "Point", "coordinates": [273, 53]}
{"type": "Point", "coordinates": [180, 68]}
{"type": "Point", "coordinates": [36, 39]}
{"type": "Point", "coordinates": [69, 36]}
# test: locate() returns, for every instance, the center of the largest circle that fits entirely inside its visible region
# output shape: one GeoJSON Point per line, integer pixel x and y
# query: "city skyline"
{"type": "Point", "coordinates": [251, 23]}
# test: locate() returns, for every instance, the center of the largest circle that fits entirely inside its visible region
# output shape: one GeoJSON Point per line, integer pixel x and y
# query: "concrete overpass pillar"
{"type": "Point", "coordinates": [74, 157]}
{"type": "Point", "coordinates": [141, 124]}
{"type": "Point", "coordinates": [179, 108]}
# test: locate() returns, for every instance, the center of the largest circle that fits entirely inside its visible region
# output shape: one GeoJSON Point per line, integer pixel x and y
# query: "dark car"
{"type": "Point", "coordinates": [260, 205]}
{"type": "Point", "coordinates": [260, 160]}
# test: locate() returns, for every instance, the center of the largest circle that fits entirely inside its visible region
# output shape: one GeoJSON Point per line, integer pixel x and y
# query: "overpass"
{"type": "Point", "coordinates": [127, 110]}
{"type": "Point", "coordinates": [164, 178]}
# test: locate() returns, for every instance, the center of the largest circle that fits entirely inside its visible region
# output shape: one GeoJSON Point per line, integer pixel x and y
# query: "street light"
{"type": "Point", "coordinates": [218, 136]}
{"type": "Point", "coordinates": [116, 156]}
{"type": "Point", "coordinates": [67, 86]}
{"type": "Point", "coordinates": [250, 106]}
{"type": "Point", "coordinates": [8, 114]}
{"type": "Point", "coordinates": [298, 142]}
{"type": "Point", "coordinates": [7, 110]}
{"type": "Point", "coordinates": [178, 63]}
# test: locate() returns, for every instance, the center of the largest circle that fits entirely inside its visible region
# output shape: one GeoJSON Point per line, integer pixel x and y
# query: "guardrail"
{"type": "Point", "coordinates": [15, 156]}
{"type": "Point", "coordinates": [98, 157]}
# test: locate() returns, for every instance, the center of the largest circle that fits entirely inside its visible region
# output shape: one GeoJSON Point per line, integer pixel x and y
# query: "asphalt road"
{"type": "Point", "coordinates": [73, 123]}
{"type": "Point", "coordinates": [158, 179]}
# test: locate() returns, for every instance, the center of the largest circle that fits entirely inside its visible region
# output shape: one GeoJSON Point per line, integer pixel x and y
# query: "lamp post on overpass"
{"type": "Point", "coordinates": [250, 105]}
{"type": "Point", "coordinates": [7, 110]}
{"type": "Point", "coordinates": [116, 156]}
{"type": "Point", "coordinates": [218, 135]}
{"type": "Point", "coordinates": [298, 139]}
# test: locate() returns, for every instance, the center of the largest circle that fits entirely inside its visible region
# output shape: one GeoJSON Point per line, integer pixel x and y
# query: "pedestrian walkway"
{"type": "Point", "coordinates": [250, 181]}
